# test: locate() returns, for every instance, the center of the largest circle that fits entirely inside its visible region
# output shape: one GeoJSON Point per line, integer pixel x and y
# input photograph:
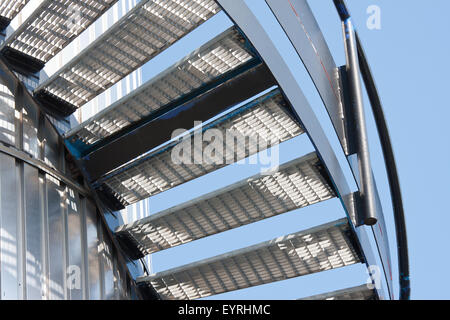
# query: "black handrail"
{"type": "Point", "coordinates": [389, 159]}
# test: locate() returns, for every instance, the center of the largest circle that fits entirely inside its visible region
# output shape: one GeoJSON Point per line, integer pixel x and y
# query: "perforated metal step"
{"type": "Point", "coordinates": [219, 56]}
{"type": "Point", "coordinates": [318, 249]}
{"type": "Point", "coordinates": [8, 10]}
{"type": "Point", "coordinates": [357, 293]}
{"type": "Point", "coordinates": [266, 119]}
{"type": "Point", "coordinates": [49, 29]}
{"type": "Point", "coordinates": [297, 184]}
{"type": "Point", "coordinates": [148, 29]}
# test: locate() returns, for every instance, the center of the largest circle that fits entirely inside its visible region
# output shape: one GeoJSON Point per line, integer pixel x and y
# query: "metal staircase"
{"type": "Point", "coordinates": [297, 184]}
{"type": "Point", "coordinates": [125, 151]}
{"type": "Point", "coordinates": [45, 31]}
{"type": "Point", "coordinates": [8, 11]}
{"type": "Point", "coordinates": [321, 248]}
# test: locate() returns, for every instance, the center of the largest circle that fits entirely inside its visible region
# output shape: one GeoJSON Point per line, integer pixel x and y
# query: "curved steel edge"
{"type": "Point", "coordinates": [243, 17]}
{"type": "Point", "coordinates": [303, 31]}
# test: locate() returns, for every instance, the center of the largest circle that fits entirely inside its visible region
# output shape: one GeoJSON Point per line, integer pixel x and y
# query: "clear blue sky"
{"type": "Point", "coordinates": [409, 57]}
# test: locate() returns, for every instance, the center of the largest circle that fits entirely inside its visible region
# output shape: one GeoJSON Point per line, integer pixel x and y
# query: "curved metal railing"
{"type": "Point", "coordinates": [389, 159]}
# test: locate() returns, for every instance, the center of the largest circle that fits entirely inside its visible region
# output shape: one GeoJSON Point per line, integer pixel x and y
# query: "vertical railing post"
{"type": "Point", "coordinates": [362, 142]}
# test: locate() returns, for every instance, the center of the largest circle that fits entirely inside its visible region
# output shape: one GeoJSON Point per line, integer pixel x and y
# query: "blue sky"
{"type": "Point", "coordinates": [409, 61]}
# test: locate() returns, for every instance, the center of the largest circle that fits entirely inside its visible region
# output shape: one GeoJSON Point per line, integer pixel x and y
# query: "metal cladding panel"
{"type": "Point", "coordinates": [74, 244]}
{"type": "Point", "coordinates": [10, 8]}
{"type": "Point", "coordinates": [319, 249]}
{"type": "Point", "coordinates": [225, 53]}
{"type": "Point", "coordinates": [107, 264]}
{"type": "Point", "coordinates": [116, 276]}
{"type": "Point", "coordinates": [56, 232]}
{"type": "Point", "coordinates": [53, 25]}
{"type": "Point", "coordinates": [144, 32]}
{"type": "Point", "coordinates": [265, 119]}
{"type": "Point", "coordinates": [10, 281]}
{"type": "Point", "coordinates": [30, 139]}
{"type": "Point", "coordinates": [297, 184]}
{"type": "Point", "coordinates": [357, 293]}
{"type": "Point", "coordinates": [43, 242]}
{"type": "Point", "coordinates": [52, 152]}
{"type": "Point", "coordinates": [34, 226]}
{"type": "Point", "coordinates": [121, 293]}
{"type": "Point", "coordinates": [93, 258]}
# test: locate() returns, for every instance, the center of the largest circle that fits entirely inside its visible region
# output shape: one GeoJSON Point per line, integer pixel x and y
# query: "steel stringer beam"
{"type": "Point", "coordinates": [157, 129]}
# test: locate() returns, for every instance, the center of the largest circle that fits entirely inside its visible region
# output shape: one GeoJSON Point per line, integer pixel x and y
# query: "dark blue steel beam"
{"type": "Point", "coordinates": [157, 129]}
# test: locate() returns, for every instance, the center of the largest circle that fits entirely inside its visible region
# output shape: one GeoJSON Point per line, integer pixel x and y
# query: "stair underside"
{"type": "Point", "coordinates": [295, 185]}
{"type": "Point", "coordinates": [318, 249]}
{"type": "Point", "coordinates": [266, 119]}
{"type": "Point", "coordinates": [147, 30]}
{"type": "Point", "coordinates": [357, 293]}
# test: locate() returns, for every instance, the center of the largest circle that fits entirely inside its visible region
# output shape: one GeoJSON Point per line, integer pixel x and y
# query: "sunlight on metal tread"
{"type": "Point", "coordinates": [51, 26]}
{"type": "Point", "coordinates": [318, 249]}
{"type": "Point", "coordinates": [357, 293]}
{"type": "Point", "coordinates": [295, 185]}
{"type": "Point", "coordinates": [10, 8]}
{"type": "Point", "coordinates": [265, 119]}
{"type": "Point", "coordinates": [221, 55]}
{"type": "Point", "coordinates": [147, 30]}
